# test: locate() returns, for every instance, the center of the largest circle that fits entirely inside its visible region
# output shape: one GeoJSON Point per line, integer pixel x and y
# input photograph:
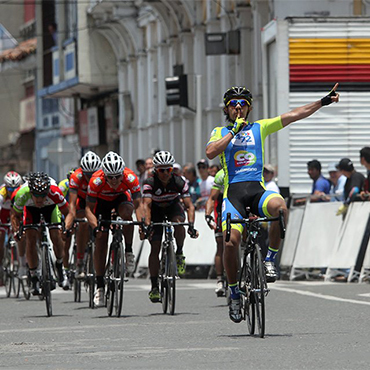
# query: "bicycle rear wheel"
{"type": "Point", "coordinates": [259, 289]}
{"type": "Point", "coordinates": [46, 279]}
{"type": "Point", "coordinates": [248, 311]}
{"type": "Point", "coordinates": [110, 279]}
{"type": "Point", "coordinates": [119, 278]}
{"type": "Point", "coordinates": [171, 279]}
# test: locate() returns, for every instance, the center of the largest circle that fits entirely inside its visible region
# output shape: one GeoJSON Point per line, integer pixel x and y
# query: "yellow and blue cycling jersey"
{"type": "Point", "coordinates": [64, 187]}
{"type": "Point", "coordinates": [242, 159]}
{"type": "Point", "coordinates": [242, 162]}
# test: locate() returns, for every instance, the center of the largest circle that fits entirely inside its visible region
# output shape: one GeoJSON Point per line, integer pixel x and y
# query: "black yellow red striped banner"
{"type": "Point", "coordinates": [318, 62]}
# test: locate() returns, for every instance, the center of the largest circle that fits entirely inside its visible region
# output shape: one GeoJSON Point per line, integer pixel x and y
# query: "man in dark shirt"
{"type": "Point", "coordinates": [365, 161]}
{"type": "Point", "coordinates": [354, 184]}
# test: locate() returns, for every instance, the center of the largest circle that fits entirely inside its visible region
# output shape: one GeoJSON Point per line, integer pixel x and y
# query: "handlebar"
{"type": "Point", "coordinates": [169, 223]}
{"type": "Point", "coordinates": [253, 220]}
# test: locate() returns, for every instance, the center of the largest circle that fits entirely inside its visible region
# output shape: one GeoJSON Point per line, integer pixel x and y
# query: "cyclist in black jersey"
{"type": "Point", "coordinates": [161, 198]}
{"type": "Point", "coordinates": [240, 145]}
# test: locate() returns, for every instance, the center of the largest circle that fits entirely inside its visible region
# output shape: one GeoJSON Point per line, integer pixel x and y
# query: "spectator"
{"type": "Point", "coordinates": [177, 169]}
{"type": "Point", "coordinates": [140, 166]}
{"type": "Point", "coordinates": [337, 183]}
{"type": "Point", "coordinates": [205, 184]}
{"type": "Point", "coordinates": [149, 167]}
{"type": "Point", "coordinates": [268, 175]}
{"type": "Point", "coordinates": [355, 180]}
{"type": "Point", "coordinates": [193, 181]}
{"type": "Point", "coordinates": [214, 169]}
{"type": "Point", "coordinates": [321, 185]}
{"type": "Point", "coordinates": [365, 161]}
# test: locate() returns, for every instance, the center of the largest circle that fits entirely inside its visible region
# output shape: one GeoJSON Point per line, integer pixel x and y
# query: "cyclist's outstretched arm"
{"type": "Point", "coordinates": [15, 219]}
{"type": "Point", "coordinates": [138, 206]}
{"type": "Point", "coordinates": [146, 209]}
{"type": "Point", "coordinates": [309, 109]}
{"type": "Point", "coordinates": [190, 209]}
{"type": "Point", "coordinates": [72, 208]}
{"type": "Point", "coordinates": [89, 210]}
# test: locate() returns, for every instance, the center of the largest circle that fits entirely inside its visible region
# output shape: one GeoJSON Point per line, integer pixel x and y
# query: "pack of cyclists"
{"type": "Point", "coordinates": [102, 188]}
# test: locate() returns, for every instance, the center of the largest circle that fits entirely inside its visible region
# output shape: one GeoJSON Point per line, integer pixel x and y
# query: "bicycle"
{"type": "Point", "coordinates": [88, 269]}
{"type": "Point", "coordinates": [252, 280]}
{"type": "Point", "coordinates": [168, 266]}
{"type": "Point", "coordinates": [115, 274]}
{"type": "Point", "coordinates": [10, 264]}
{"type": "Point", "coordinates": [47, 281]}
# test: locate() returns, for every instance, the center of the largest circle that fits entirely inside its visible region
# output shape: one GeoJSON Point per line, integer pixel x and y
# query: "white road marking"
{"type": "Point", "coordinates": [318, 295]}
{"type": "Point", "coordinates": [364, 295]}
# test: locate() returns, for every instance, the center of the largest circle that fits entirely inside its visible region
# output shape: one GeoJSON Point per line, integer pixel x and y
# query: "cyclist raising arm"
{"type": "Point", "coordinates": [240, 145]}
{"type": "Point", "coordinates": [161, 198]}
{"type": "Point", "coordinates": [113, 187]}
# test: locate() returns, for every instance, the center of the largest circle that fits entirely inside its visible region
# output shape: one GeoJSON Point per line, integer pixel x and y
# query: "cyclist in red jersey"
{"type": "Point", "coordinates": [38, 196]}
{"type": "Point", "coordinates": [78, 184]}
{"type": "Point", "coordinates": [12, 180]}
{"type": "Point", "coordinates": [113, 187]}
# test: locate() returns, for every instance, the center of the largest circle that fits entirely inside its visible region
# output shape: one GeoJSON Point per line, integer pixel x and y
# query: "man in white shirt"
{"type": "Point", "coordinates": [337, 183]}
{"type": "Point", "coordinates": [268, 175]}
{"type": "Point", "coordinates": [205, 184]}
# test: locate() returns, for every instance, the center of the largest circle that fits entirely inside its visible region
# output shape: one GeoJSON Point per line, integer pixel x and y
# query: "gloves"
{"type": "Point", "coordinates": [238, 125]}
{"type": "Point", "coordinates": [192, 232]}
{"type": "Point", "coordinates": [326, 100]}
{"type": "Point", "coordinates": [210, 221]}
{"type": "Point", "coordinates": [342, 210]}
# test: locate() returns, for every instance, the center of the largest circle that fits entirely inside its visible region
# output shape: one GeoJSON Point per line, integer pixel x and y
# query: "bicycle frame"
{"type": "Point", "coordinates": [252, 280]}
{"type": "Point", "coordinates": [168, 265]}
{"type": "Point", "coordinates": [115, 268]}
{"type": "Point", "coordinates": [47, 281]}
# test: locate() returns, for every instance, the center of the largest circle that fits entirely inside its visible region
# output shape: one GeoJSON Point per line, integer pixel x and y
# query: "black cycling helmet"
{"type": "Point", "coordinates": [39, 183]}
{"type": "Point", "coordinates": [69, 173]}
{"type": "Point", "coordinates": [238, 92]}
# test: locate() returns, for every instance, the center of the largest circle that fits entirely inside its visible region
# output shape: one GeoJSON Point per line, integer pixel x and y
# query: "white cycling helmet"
{"type": "Point", "coordinates": [163, 158]}
{"type": "Point", "coordinates": [12, 179]}
{"type": "Point", "coordinates": [90, 162]}
{"type": "Point", "coordinates": [113, 164]}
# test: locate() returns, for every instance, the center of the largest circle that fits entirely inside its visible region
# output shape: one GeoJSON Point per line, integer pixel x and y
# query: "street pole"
{"type": "Point", "coordinates": [198, 120]}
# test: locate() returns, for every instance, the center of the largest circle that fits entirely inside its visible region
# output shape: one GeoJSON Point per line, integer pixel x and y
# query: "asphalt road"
{"type": "Point", "coordinates": [309, 326]}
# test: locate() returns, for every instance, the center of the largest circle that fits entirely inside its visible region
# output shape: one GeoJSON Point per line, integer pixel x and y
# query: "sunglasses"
{"type": "Point", "coordinates": [114, 177]}
{"type": "Point", "coordinates": [10, 189]}
{"type": "Point", "coordinates": [202, 167]}
{"type": "Point", "coordinates": [163, 170]}
{"type": "Point", "coordinates": [235, 102]}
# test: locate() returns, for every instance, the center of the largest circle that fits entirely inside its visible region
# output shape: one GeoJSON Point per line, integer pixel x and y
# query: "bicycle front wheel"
{"type": "Point", "coordinates": [26, 283]}
{"type": "Point", "coordinates": [163, 280]}
{"type": "Point", "coordinates": [8, 277]}
{"type": "Point", "coordinates": [248, 311]}
{"type": "Point", "coordinates": [46, 279]}
{"type": "Point", "coordinates": [90, 274]}
{"type": "Point", "coordinates": [119, 278]}
{"type": "Point", "coordinates": [171, 279]}
{"type": "Point", "coordinates": [109, 273]}
{"type": "Point", "coordinates": [259, 289]}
